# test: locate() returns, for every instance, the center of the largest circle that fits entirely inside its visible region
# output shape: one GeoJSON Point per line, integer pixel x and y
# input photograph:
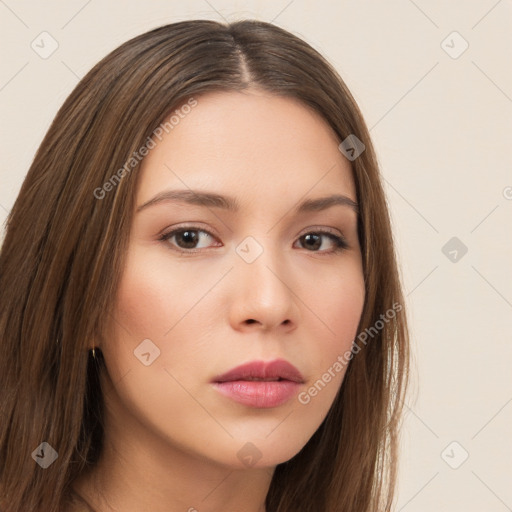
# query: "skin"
{"type": "Point", "coordinates": [171, 439]}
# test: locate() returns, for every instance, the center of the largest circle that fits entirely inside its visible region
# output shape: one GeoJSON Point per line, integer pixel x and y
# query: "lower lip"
{"type": "Point", "coordinates": [262, 394]}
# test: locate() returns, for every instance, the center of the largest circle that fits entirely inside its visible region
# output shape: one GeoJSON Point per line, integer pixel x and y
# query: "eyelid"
{"type": "Point", "coordinates": [192, 226]}
{"type": "Point", "coordinates": [321, 229]}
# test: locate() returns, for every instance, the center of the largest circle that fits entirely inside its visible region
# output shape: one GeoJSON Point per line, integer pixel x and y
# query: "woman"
{"type": "Point", "coordinates": [200, 304]}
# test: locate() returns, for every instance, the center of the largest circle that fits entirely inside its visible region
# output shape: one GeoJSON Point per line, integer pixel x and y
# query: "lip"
{"type": "Point", "coordinates": [239, 384]}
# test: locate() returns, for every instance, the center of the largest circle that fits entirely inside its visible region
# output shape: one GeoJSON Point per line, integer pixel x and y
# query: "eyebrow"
{"type": "Point", "coordinates": [213, 200]}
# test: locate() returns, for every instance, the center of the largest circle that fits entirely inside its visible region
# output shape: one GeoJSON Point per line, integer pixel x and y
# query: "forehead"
{"type": "Point", "coordinates": [250, 144]}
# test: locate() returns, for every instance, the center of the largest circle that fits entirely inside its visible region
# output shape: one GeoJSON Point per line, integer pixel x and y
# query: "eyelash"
{"type": "Point", "coordinates": [339, 241]}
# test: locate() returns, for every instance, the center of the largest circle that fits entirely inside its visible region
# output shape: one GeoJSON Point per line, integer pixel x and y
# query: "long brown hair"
{"type": "Point", "coordinates": [65, 245]}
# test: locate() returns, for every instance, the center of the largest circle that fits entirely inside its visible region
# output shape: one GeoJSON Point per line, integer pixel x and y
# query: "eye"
{"type": "Point", "coordinates": [186, 239]}
{"type": "Point", "coordinates": [313, 240]}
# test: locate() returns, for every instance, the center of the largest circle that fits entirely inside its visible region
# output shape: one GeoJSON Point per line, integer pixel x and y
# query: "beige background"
{"type": "Point", "coordinates": [442, 126]}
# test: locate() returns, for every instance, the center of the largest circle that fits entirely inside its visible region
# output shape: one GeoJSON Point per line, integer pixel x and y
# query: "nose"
{"type": "Point", "coordinates": [262, 297]}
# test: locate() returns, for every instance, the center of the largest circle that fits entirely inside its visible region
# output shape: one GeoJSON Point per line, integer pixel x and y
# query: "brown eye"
{"type": "Point", "coordinates": [186, 238]}
{"type": "Point", "coordinates": [313, 241]}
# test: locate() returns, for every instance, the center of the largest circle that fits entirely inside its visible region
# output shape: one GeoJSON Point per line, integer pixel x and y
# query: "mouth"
{"type": "Point", "coordinates": [273, 371]}
{"type": "Point", "coordinates": [260, 384]}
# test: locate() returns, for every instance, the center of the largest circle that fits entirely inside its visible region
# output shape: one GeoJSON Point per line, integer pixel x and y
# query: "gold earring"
{"type": "Point", "coordinates": [93, 352]}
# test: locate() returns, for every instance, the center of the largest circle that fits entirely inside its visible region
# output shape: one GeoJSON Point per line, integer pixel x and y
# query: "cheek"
{"type": "Point", "coordinates": [146, 305]}
{"type": "Point", "coordinates": [154, 295]}
{"type": "Point", "coordinates": [344, 309]}
{"type": "Point", "coordinates": [154, 306]}
{"type": "Point", "coordinates": [165, 303]}
{"type": "Point", "coordinates": [336, 310]}
{"type": "Point", "coordinates": [337, 301]}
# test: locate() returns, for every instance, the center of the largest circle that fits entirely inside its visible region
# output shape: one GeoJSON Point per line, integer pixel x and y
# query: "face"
{"type": "Point", "coordinates": [213, 284]}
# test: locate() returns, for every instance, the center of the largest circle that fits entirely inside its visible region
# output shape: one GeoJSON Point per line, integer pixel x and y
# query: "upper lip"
{"type": "Point", "coordinates": [278, 369]}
